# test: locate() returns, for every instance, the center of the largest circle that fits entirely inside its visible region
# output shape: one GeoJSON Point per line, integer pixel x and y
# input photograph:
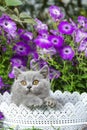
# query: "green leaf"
{"type": "Point", "coordinates": [84, 76]}
{"type": "Point", "coordinates": [16, 11]}
{"type": "Point", "coordinates": [29, 21]}
{"type": "Point", "coordinates": [13, 2]}
{"type": "Point", "coordinates": [81, 85]}
{"type": "Point", "coordinates": [24, 15]}
{"type": "Point", "coordinates": [2, 9]}
{"type": "Point", "coordinates": [15, 18]}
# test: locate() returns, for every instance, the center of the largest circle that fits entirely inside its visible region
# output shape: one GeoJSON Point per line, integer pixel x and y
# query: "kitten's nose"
{"type": "Point", "coordinates": [29, 86]}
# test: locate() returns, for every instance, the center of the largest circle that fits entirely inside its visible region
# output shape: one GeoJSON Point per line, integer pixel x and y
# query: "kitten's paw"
{"type": "Point", "coordinates": [51, 102]}
{"type": "Point", "coordinates": [34, 103]}
{"type": "Point", "coordinates": [38, 103]}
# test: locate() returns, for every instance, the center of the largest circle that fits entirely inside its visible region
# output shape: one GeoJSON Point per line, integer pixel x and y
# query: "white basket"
{"type": "Point", "coordinates": [73, 116]}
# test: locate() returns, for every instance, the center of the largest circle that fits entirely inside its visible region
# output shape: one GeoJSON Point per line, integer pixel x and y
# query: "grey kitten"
{"type": "Point", "coordinates": [32, 88]}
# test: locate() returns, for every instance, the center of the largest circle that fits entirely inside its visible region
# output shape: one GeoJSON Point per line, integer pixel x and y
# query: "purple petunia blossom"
{"type": "Point", "coordinates": [1, 116]}
{"type": "Point", "coordinates": [55, 12]}
{"type": "Point", "coordinates": [22, 49]}
{"type": "Point", "coordinates": [27, 36]}
{"type": "Point", "coordinates": [67, 53]}
{"type": "Point", "coordinates": [80, 35]}
{"type": "Point", "coordinates": [42, 42]}
{"type": "Point", "coordinates": [65, 28]}
{"type": "Point", "coordinates": [8, 24]}
{"type": "Point", "coordinates": [81, 21]}
{"type": "Point", "coordinates": [11, 75]}
{"type": "Point", "coordinates": [17, 61]}
{"type": "Point", "coordinates": [20, 31]}
{"type": "Point", "coordinates": [10, 37]}
{"type": "Point", "coordinates": [44, 33]}
{"type": "Point", "coordinates": [83, 45]}
{"type": "Point", "coordinates": [53, 73]}
{"type": "Point", "coordinates": [40, 26]}
{"type": "Point", "coordinates": [56, 41]}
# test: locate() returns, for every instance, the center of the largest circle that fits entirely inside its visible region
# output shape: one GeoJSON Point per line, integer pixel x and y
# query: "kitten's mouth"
{"type": "Point", "coordinates": [28, 91]}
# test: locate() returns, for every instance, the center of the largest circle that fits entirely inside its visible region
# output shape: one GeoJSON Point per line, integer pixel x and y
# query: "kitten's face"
{"type": "Point", "coordinates": [32, 81]}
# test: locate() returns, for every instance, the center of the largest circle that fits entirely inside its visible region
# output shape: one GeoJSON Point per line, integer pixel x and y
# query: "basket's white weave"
{"type": "Point", "coordinates": [73, 116]}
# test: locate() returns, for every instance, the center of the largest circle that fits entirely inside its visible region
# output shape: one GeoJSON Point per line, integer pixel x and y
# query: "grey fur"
{"type": "Point", "coordinates": [37, 95]}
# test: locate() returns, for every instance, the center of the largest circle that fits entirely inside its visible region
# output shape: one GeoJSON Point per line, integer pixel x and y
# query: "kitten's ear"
{"type": "Point", "coordinates": [44, 71]}
{"type": "Point", "coordinates": [17, 72]}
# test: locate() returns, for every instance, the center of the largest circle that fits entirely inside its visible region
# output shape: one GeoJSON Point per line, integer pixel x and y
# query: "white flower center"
{"type": "Point", "coordinates": [20, 48]}
{"type": "Point", "coordinates": [8, 25]}
{"type": "Point", "coordinates": [67, 51]}
{"type": "Point", "coordinates": [67, 27]}
{"type": "Point", "coordinates": [55, 11]}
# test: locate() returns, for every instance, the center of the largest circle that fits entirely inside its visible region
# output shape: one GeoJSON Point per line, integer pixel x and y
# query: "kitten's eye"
{"type": "Point", "coordinates": [35, 82]}
{"type": "Point", "coordinates": [23, 82]}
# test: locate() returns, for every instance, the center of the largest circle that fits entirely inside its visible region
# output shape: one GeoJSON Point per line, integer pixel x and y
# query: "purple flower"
{"type": "Point", "coordinates": [67, 53]}
{"type": "Point", "coordinates": [27, 36]}
{"type": "Point", "coordinates": [42, 42]}
{"type": "Point", "coordinates": [44, 33]}
{"type": "Point", "coordinates": [11, 75]}
{"type": "Point", "coordinates": [80, 35]}
{"type": "Point", "coordinates": [11, 37]}
{"type": "Point", "coordinates": [83, 45]}
{"type": "Point", "coordinates": [20, 31]}
{"type": "Point", "coordinates": [17, 61]}
{"type": "Point", "coordinates": [40, 26]}
{"type": "Point", "coordinates": [81, 20]}
{"type": "Point", "coordinates": [65, 28]}
{"type": "Point", "coordinates": [1, 116]}
{"type": "Point", "coordinates": [55, 12]}
{"type": "Point", "coordinates": [7, 24]}
{"type": "Point", "coordinates": [56, 41]}
{"type": "Point", "coordinates": [22, 48]}
{"type": "Point", "coordinates": [53, 73]}
{"type": "Point", "coordinates": [35, 55]}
